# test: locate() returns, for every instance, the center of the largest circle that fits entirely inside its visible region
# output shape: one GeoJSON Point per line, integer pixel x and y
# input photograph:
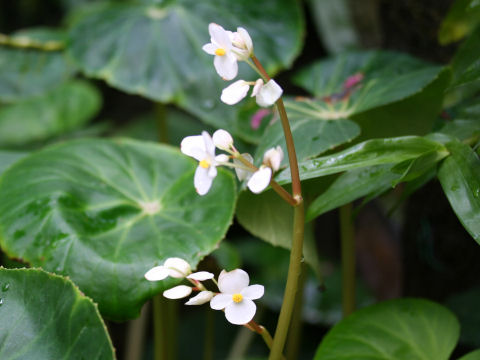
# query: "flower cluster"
{"type": "Point", "coordinates": [202, 148]}
{"type": "Point", "coordinates": [235, 295]}
{"type": "Point", "coordinates": [229, 47]}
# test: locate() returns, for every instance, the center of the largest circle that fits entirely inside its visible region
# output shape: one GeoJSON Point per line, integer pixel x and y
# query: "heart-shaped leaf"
{"type": "Point", "coordinates": [459, 175]}
{"type": "Point", "coordinates": [402, 329]}
{"type": "Point", "coordinates": [37, 118]}
{"type": "Point", "coordinates": [44, 316]}
{"type": "Point", "coordinates": [30, 71]}
{"type": "Point", "coordinates": [104, 212]}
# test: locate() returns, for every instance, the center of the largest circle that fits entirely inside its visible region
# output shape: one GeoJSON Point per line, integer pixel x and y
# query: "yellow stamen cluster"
{"type": "Point", "coordinates": [220, 52]}
{"type": "Point", "coordinates": [204, 164]}
{"type": "Point", "coordinates": [237, 298]}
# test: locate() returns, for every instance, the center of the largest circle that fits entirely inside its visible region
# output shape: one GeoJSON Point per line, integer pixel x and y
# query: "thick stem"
{"type": "Point", "coordinates": [348, 259]}
{"type": "Point", "coordinates": [294, 271]}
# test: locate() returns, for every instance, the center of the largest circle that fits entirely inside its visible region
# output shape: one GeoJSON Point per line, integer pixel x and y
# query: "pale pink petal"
{"type": "Point", "coordinates": [200, 276]}
{"type": "Point", "coordinates": [247, 40]}
{"type": "Point", "coordinates": [179, 268]}
{"type": "Point", "coordinates": [193, 146]}
{"type": "Point", "coordinates": [233, 282]}
{"type": "Point", "coordinates": [219, 36]}
{"type": "Point", "coordinates": [257, 87]}
{"type": "Point", "coordinates": [222, 139]}
{"type": "Point", "coordinates": [269, 93]}
{"type": "Point", "coordinates": [240, 313]}
{"type": "Point", "coordinates": [209, 48]}
{"type": "Point", "coordinates": [178, 292]}
{"type": "Point", "coordinates": [201, 298]}
{"type": "Point", "coordinates": [260, 180]}
{"type": "Point", "coordinates": [157, 273]}
{"type": "Point", "coordinates": [212, 172]}
{"type": "Point", "coordinates": [220, 301]}
{"type": "Point", "coordinates": [273, 157]}
{"type": "Point", "coordinates": [253, 292]}
{"type": "Point", "coordinates": [235, 92]}
{"type": "Point", "coordinates": [226, 66]}
{"type": "Point", "coordinates": [202, 181]}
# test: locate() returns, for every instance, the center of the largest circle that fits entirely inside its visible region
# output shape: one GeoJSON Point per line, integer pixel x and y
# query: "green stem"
{"type": "Point", "coordinates": [209, 335]}
{"type": "Point", "coordinates": [136, 335]}
{"type": "Point", "coordinates": [165, 328]}
{"type": "Point", "coordinates": [348, 259]}
{"type": "Point", "coordinates": [161, 118]}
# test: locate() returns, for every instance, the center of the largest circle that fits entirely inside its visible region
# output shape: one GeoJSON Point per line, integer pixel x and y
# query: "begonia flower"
{"type": "Point", "coordinates": [273, 158]}
{"type": "Point", "coordinates": [265, 94]}
{"type": "Point", "coordinates": [173, 267]}
{"type": "Point", "coordinates": [268, 94]}
{"type": "Point", "coordinates": [202, 148]}
{"type": "Point", "coordinates": [243, 44]}
{"type": "Point", "coordinates": [222, 139]}
{"type": "Point", "coordinates": [225, 60]}
{"type": "Point", "coordinates": [243, 173]}
{"type": "Point", "coordinates": [201, 298]}
{"type": "Point", "coordinates": [178, 292]}
{"type": "Point", "coordinates": [236, 296]}
{"type": "Point", "coordinates": [260, 179]}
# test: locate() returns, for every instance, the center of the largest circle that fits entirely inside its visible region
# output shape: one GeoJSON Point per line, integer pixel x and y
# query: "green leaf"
{"type": "Point", "coordinates": [156, 50]}
{"type": "Point", "coordinates": [30, 71]}
{"type": "Point", "coordinates": [45, 316]}
{"type": "Point", "coordinates": [311, 136]}
{"type": "Point", "coordinates": [466, 63]}
{"type": "Point", "coordinates": [459, 175]}
{"type": "Point", "coordinates": [103, 212]}
{"type": "Point", "coordinates": [270, 218]}
{"type": "Point", "coordinates": [474, 355]}
{"type": "Point", "coordinates": [368, 153]}
{"type": "Point", "coordinates": [383, 77]}
{"type": "Point", "coordinates": [463, 130]}
{"type": "Point", "coordinates": [462, 18]}
{"type": "Point", "coordinates": [7, 158]}
{"type": "Point", "coordinates": [61, 110]}
{"type": "Point", "coordinates": [350, 186]}
{"type": "Point", "coordinates": [402, 329]}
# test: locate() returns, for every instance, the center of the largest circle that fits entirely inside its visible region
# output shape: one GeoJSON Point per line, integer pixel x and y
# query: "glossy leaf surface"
{"type": "Point", "coordinates": [63, 109]}
{"type": "Point", "coordinates": [104, 212]}
{"type": "Point", "coordinates": [403, 329]}
{"type": "Point", "coordinates": [44, 316]}
{"type": "Point", "coordinates": [459, 175]}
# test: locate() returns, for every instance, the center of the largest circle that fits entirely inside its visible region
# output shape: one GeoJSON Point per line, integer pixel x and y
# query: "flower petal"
{"type": "Point", "coordinates": [233, 282]}
{"type": "Point", "coordinates": [240, 313]}
{"type": "Point", "coordinates": [222, 139]}
{"type": "Point", "coordinates": [200, 276]}
{"type": "Point", "coordinates": [209, 145]}
{"type": "Point", "coordinates": [193, 146]}
{"type": "Point", "coordinates": [209, 48]}
{"type": "Point", "coordinates": [235, 92]}
{"type": "Point", "coordinates": [157, 273]}
{"type": "Point", "coordinates": [202, 181]}
{"type": "Point", "coordinates": [243, 174]}
{"type": "Point", "coordinates": [219, 36]}
{"type": "Point", "coordinates": [226, 66]}
{"type": "Point", "coordinates": [202, 298]}
{"type": "Point", "coordinates": [253, 292]}
{"type": "Point", "coordinates": [247, 40]}
{"type": "Point", "coordinates": [220, 301]}
{"type": "Point", "coordinates": [257, 87]}
{"type": "Point", "coordinates": [178, 292]}
{"type": "Point", "coordinates": [260, 180]}
{"type": "Point", "coordinates": [269, 93]}
{"type": "Point", "coordinates": [273, 158]}
{"type": "Point", "coordinates": [178, 267]}
{"type": "Point", "coordinates": [221, 158]}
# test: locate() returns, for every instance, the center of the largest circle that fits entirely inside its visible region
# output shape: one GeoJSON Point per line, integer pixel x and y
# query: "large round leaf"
{"type": "Point", "coordinates": [44, 317]}
{"type": "Point", "coordinates": [31, 71]}
{"type": "Point", "coordinates": [53, 113]}
{"type": "Point", "coordinates": [403, 329]}
{"type": "Point", "coordinates": [156, 50]}
{"type": "Point", "coordinates": [104, 212]}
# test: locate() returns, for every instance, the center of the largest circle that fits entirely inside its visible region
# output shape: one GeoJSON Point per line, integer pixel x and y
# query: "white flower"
{"type": "Point", "coordinates": [222, 139]}
{"type": "Point", "coordinates": [243, 43]}
{"type": "Point", "coordinates": [236, 296]}
{"type": "Point", "coordinates": [273, 158]}
{"type": "Point", "coordinates": [201, 276]}
{"type": "Point", "coordinates": [201, 298]}
{"type": "Point", "coordinates": [174, 267]}
{"type": "Point", "coordinates": [260, 179]}
{"type": "Point", "coordinates": [243, 174]}
{"type": "Point", "coordinates": [220, 45]}
{"type": "Point", "coordinates": [235, 92]}
{"type": "Point", "coordinates": [178, 292]}
{"type": "Point", "coordinates": [268, 94]}
{"type": "Point", "coordinates": [202, 148]}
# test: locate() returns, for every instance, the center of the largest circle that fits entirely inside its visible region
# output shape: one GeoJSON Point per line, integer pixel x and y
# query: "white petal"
{"type": "Point", "coordinates": [202, 298]}
{"type": "Point", "coordinates": [235, 92]}
{"type": "Point", "coordinates": [233, 282]}
{"type": "Point", "coordinates": [201, 276]}
{"type": "Point", "coordinates": [257, 87]}
{"type": "Point", "coordinates": [219, 36]}
{"type": "Point", "coordinates": [269, 93]}
{"type": "Point", "coordinates": [247, 40]}
{"type": "Point", "coordinates": [179, 268]}
{"type": "Point", "coordinates": [240, 313]}
{"type": "Point", "coordinates": [193, 146]}
{"type": "Point", "coordinates": [222, 139]}
{"type": "Point", "coordinates": [221, 301]}
{"type": "Point", "coordinates": [260, 180]}
{"type": "Point", "coordinates": [157, 273]}
{"type": "Point", "coordinates": [209, 48]}
{"type": "Point", "coordinates": [241, 173]}
{"type": "Point", "coordinates": [178, 292]}
{"type": "Point", "coordinates": [226, 66]}
{"type": "Point", "coordinates": [273, 157]}
{"type": "Point", "coordinates": [212, 171]}
{"type": "Point", "coordinates": [202, 181]}
{"type": "Point", "coordinates": [253, 292]}
{"type": "Point", "coordinates": [209, 145]}
{"type": "Point", "coordinates": [221, 158]}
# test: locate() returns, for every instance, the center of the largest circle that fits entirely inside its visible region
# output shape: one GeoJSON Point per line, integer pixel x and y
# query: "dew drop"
{"type": "Point", "coordinates": [5, 287]}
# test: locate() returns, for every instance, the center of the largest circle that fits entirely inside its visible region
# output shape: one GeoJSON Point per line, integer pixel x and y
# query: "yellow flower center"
{"type": "Point", "coordinates": [220, 52]}
{"type": "Point", "coordinates": [237, 298]}
{"type": "Point", "coordinates": [204, 164]}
